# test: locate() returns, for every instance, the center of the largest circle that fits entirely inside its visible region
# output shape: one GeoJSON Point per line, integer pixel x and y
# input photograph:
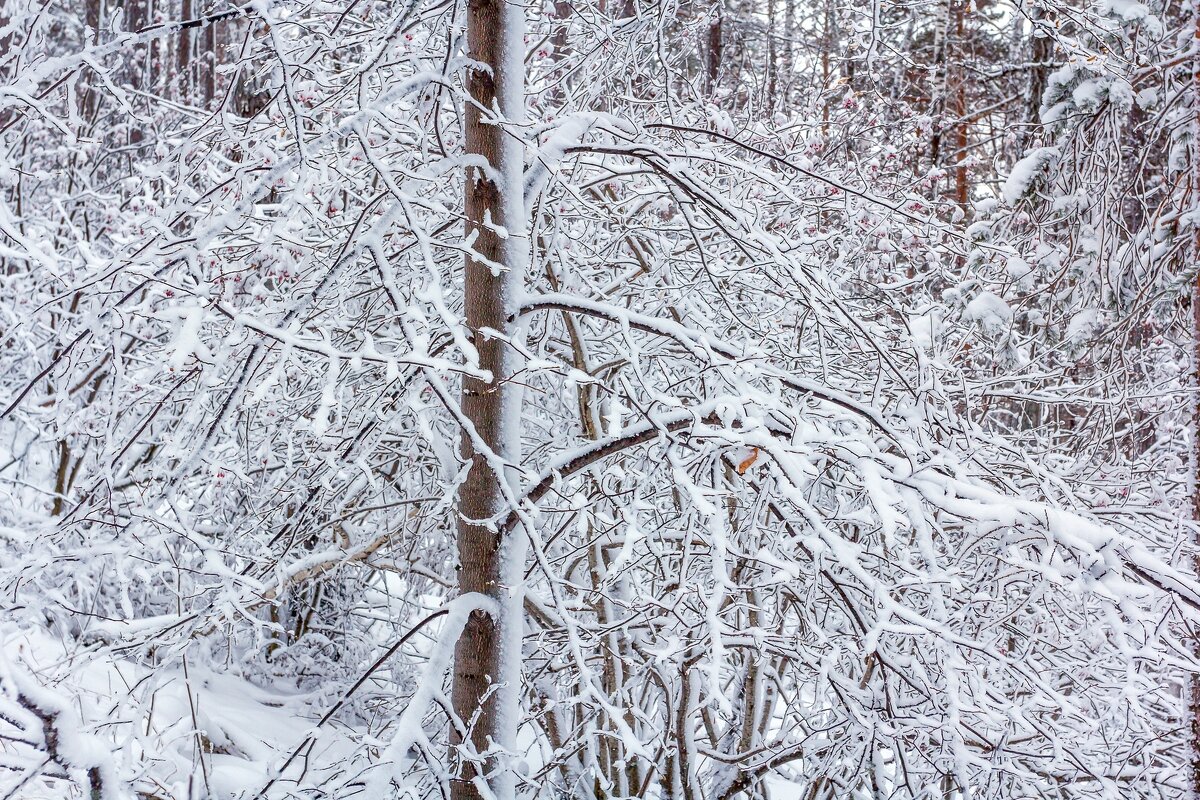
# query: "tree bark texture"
{"type": "Point", "coordinates": [1194, 201]}
{"type": "Point", "coordinates": [487, 655]}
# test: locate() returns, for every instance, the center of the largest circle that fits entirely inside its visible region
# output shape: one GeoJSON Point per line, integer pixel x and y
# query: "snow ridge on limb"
{"type": "Point", "coordinates": [40, 713]}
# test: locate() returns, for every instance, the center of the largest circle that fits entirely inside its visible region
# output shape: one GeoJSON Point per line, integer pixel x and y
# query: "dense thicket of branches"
{"type": "Point", "coordinates": [694, 400]}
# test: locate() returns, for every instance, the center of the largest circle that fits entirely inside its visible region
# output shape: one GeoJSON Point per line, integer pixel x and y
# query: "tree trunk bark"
{"type": "Point", "coordinates": [184, 54]}
{"type": "Point", "coordinates": [209, 64]}
{"type": "Point", "coordinates": [1194, 680]}
{"type": "Point", "coordinates": [714, 48]}
{"type": "Point", "coordinates": [937, 92]}
{"type": "Point", "coordinates": [1040, 52]}
{"type": "Point", "coordinates": [789, 50]}
{"type": "Point", "coordinates": [137, 16]}
{"type": "Point", "coordinates": [1194, 202]}
{"type": "Point", "coordinates": [959, 134]}
{"type": "Point", "coordinates": [88, 97]}
{"type": "Point", "coordinates": [487, 658]}
{"type": "Point", "coordinates": [772, 58]}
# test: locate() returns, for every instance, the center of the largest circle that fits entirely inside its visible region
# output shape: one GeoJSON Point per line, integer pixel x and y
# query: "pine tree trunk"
{"type": "Point", "coordinates": [826, 63]}
{"type": "Point", "coordinates": [250, 96]}
{"type": "Point", "coordinates": [789, 48]}
{"type": "Point", "coordinates": [137, 16]}
{"type": "Point", "coordinates": [714, 49]}
{"type": "Point", "coordinates": [772, 58]}
{"type": "Point", "coordinates": [209, 47]}
{"type": "Point", "coordinates": [1040, 51]}
{"type": "Point", "coordinates": [959, 133]}
{"type": "Point", "coordinates": [184, 53]}
{"type": "Point", "coordinates": [937, 108]}
{"type": "Point", "coordinates": [488, 651]}
{"type": "Point", "coordinates": [88, 97]}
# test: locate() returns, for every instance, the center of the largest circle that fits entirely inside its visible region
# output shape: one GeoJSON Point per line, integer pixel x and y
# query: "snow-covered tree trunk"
{"type": "Point", "coordinates": [487, 658]}
{"type": "Point", "coordinates": [1194, 680]}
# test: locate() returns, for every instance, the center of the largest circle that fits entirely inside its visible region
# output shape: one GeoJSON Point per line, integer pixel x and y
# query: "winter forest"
{"type": "Point", "coordinates": [599, 399]}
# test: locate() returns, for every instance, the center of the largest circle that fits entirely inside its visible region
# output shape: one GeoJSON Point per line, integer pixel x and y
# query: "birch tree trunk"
{"type": "Point", "coordinates": [487, 658]}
